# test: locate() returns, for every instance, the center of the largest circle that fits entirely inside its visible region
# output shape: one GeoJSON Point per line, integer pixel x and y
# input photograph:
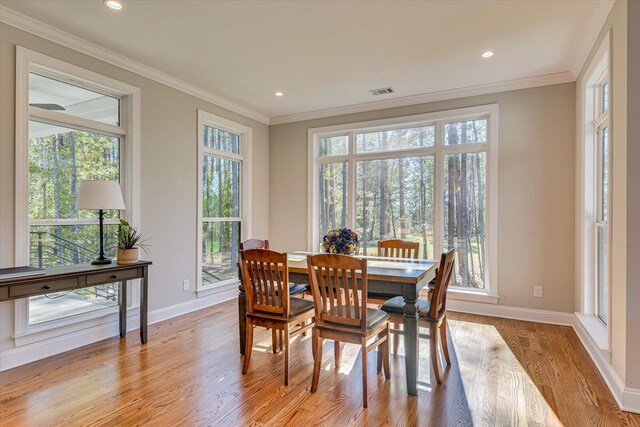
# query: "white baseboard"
{"type": "Point", "coordinates": [224, 294]}
{"type": "Point", "coordinates": [631, 400]}
{"type": "Point", "coordinates": [517, 313]}
{"type": "Point", "coordinates": [59, 344]}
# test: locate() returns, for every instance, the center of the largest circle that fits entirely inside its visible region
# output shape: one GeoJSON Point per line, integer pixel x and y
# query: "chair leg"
{"type": "Point", "coordinates": [337, 352]}
{"type": "Point", "coordinates": [302, 325]}
{"type": "Point", "coordinates": [365, 401]}
{"type": "Point", "coordinates": [317, 343]}
{"type": "Point", "coordinates": [286, 354]}
{"type": "Point", "coordinates": [396, 338]}
{"type": "Point", "coordinates": [435, 358]}
{"type": "Point", "coordinates": [379, 354]}
{"type": "Point", "coordinates": [281, 339]}
{"type": "Point", "coordinates": [385, 360]}
{"type": "Point", "coordinates": [248, 348]}
{"type": "Point", "coordinates": [443, 338]}
{"type": "Point", "coordinates": [313, 346]}
{"type": "Point", "coordinates": [274, 340]}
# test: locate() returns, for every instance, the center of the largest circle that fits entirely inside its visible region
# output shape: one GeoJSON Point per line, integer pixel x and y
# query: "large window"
{"type": "Point", "coordinates": [223, 148]}
{"type": "Point", "coordinates": [75, 129]}
{"type": "Point", "coordinates": [424, 178]}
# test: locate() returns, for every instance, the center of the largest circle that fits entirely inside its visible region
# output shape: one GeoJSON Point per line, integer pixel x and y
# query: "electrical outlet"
{"type": "Point", "coordinates": [185, 285]}
{"type": "Point", "coordinates": [537, 291]}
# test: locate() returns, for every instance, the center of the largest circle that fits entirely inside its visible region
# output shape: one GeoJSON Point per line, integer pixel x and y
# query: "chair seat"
{"type": "Point", "coordinates": [394, 305]}
{"type": "Point", "coordinates": [374, 316]}
{"type": "Point", "coordinates": [296, 306]}
{"type": "Point", "coordinates": [296, 288]}
{"type": "Point", "coordinates": [299, 305]}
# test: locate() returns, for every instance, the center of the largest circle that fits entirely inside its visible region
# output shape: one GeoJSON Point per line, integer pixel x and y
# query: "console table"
{"type": "Point", "coordinates": [69, 278]}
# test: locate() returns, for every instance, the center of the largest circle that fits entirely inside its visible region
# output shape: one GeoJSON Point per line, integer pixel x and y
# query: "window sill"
{"type": "Point", "coordinates": [597, 331]}
{"type": "Point", "coordinates": [475, 296]}
{"type": "Point", "coordinates": [69, 325]}
{"type": "Point", "coordinates": [217, 288]}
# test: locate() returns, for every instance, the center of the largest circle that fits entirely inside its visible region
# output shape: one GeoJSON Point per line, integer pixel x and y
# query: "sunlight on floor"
{"type": "Point", "coordinates": [487, 365]}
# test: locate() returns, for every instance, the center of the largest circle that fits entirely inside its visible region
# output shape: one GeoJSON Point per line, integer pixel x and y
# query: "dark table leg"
{"type": "Point", "coordinates": [242, 320]}
{"type": "Point", "coordinates": [144, 305]}
{"type": "Point", "coordinates": [411, 344]}
{"type": "Point", "coordinates": [122, 296]}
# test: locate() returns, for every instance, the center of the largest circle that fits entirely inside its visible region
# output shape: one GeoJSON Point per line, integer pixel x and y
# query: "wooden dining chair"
{"type": "Point", "coordinates": [396, 248]}
{"type": "Point", "coordinates": [294, 289]}
{"type": "Point", "coordinates": [342, 315]}
{"type": "Point", "coordinates": [254, 244]}
{"type": "Point", "coordinates": [269, 304]}
{"type": "Point", "coordinates": [432, 313]}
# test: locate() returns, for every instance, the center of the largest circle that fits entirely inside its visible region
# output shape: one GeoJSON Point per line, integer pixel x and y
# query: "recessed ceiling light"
{"type": "Point", "coordinates": [113, 4]}
{"type": "Point", "coordinates": [487, 54]}
{"type": "Point", "coordinates": [279, 93]}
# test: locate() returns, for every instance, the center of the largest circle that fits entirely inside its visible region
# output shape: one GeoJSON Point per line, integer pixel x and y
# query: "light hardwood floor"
{"type": "Point", "coordinates": [504, 372]}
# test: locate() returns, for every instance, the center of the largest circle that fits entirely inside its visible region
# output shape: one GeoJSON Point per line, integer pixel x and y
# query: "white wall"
{"type": "Point", "coordinates": [536, 188]}
{"type": "Point", "coordinates": [168, 172]}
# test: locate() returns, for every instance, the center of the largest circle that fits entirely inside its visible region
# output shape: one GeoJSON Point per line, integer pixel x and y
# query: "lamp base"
{"type": "Point", "coordinates": [101, 261]}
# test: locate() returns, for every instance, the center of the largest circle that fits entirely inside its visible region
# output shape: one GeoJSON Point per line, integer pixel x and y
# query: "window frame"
{"type": "Point", "coordinates": [128, 131]}
{"type": "Point", "coordinates": [592, 120]}
{"type": "Point", "coordinates": [439, 150]}
{"type": "Point", "coordinates": [244, 157]}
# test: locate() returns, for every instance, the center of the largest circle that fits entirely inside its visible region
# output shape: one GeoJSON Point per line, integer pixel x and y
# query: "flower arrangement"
{"type": "Point", "coordinates": [341, 241]}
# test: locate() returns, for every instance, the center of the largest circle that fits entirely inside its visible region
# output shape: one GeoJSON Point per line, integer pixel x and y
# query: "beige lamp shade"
{"type": "Point", "coordinates": [99, 195]}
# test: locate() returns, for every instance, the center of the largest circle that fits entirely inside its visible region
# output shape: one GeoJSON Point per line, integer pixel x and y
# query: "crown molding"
{"type": "Point", "coordinates": [591, 35]}
{"type": "Point", "coordinates": [46, 31]}
{"type": "Point", "coordinates": [545, 80]}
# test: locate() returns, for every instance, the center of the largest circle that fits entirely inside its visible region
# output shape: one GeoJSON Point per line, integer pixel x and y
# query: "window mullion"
{"type": "Point", "coordinates": [66, 120]}
{"type": "Point", "coordinates": [438, 194]}
{"type": "Point", "coordinates": [351, 179]}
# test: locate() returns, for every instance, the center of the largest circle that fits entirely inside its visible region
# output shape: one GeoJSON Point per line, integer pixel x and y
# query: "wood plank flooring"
{"type": "Point", "coordinates": [504, 373]}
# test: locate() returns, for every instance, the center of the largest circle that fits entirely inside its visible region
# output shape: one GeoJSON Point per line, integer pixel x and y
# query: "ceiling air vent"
{"type": "Point", "coordinates": [383, 91]}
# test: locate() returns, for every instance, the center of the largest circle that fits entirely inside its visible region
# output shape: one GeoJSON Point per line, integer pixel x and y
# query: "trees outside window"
{"type": "Point", "coordinates": [220, 205]}
{"type": "Point", "coordinates": [426, 182]}
{"type": "Point", "coordinates": [223, 153]}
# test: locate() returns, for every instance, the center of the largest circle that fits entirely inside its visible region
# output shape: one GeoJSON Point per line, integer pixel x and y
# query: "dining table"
{"type": "Point", "coordinates": [387, 277]}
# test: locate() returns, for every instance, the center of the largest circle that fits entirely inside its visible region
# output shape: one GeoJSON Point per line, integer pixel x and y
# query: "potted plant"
{"type": "Point", "coordinates": [129, 243]}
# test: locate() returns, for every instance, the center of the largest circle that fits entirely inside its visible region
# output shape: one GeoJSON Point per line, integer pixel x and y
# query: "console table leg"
{"type": "Point", "coordinates": [123, 308]}
{"type": "Point", "coordinates": [144, 305]}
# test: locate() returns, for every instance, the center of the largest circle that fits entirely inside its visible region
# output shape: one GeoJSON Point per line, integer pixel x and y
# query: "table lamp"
{"type": "Point", "coordinates": [100, 195]}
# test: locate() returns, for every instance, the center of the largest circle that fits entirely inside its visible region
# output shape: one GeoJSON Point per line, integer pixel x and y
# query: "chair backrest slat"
{"type": "Point", "coordinates": [439, 296]}
{"type": "Point", "coordinates": [334, 284]}
{"type": "Point", "coordinates": [397, 248]}
{"type": "Point", "coordinates": [266, 281]}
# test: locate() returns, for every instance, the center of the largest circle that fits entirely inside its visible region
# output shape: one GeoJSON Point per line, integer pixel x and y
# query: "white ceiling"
{"type": "Point", "coordinates": [328, 54]}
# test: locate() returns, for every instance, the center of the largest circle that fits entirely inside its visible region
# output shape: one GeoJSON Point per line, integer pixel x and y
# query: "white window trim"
{"type": "Point", "coordinates": [590, 117]}
{"type": "Point", "coordinates": [491, 147]}
{"type": "Point", "coordinates": [245, 133]}
{"type": "Point", "coordinates": [27, 60]}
